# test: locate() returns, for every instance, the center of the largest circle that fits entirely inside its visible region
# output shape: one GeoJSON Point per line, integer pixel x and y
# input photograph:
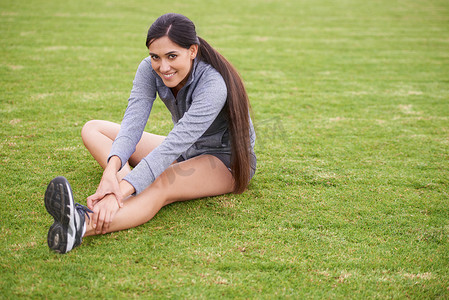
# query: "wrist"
{"type": "Point", "coordinates": [114, 164]}
{"type": "Point", "coordinates": [126, 188]}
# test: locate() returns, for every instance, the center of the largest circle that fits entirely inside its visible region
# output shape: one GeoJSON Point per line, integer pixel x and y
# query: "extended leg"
{"type": "Point", "coordinates": [195, 178]}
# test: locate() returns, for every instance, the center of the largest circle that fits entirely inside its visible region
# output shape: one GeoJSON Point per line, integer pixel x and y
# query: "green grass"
{"type": "Point", "coordinates": [351, 104]}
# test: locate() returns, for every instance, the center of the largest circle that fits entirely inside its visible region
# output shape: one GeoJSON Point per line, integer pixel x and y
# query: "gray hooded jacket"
{"type": "Point", "coordinates": [200, 124]}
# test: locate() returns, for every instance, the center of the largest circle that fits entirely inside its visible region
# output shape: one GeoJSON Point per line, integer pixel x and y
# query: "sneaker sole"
{"type": "Point", "coordinates": [60, 205]}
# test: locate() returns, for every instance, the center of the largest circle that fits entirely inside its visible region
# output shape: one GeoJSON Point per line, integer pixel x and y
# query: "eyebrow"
{"type": "Point", "coordinates": [168, 53]}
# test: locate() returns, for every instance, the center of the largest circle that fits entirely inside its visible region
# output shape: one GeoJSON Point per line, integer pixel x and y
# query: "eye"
{"type": "Point", "coordinates": [172, 56]}
{"type": "Point", "coordinates": [154, 57]}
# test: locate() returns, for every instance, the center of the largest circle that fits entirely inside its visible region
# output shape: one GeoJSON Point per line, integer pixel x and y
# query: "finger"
{"type": "Point", "coordinates": [94, 202]}
{"type": "Point", "coordinates": [100, 223]}
{"type": "Point", "coordinates": [97, 196]}
{"type": "Point", "coordinates": [119, 198]}
{"type": "Point", "coordinates": [91, 203]}
{"type": "Point", "coordinates": [111, 218]}
{"type": "Point", "coordinates": [118, 195]}
{"type": "Point", "coordinates": [94, 217]}
{"type": "Point", "coordinates": [107, 221]}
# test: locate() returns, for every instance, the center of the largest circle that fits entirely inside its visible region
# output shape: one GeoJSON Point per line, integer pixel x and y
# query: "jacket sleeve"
{"type": "Point", "coordinates": [137, 113]}
{"type": "Point", "coordinates": [208, 98]}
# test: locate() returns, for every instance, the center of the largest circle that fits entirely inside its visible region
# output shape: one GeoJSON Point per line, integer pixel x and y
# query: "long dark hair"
{"type": "Point", "coordinates": [181, 31]}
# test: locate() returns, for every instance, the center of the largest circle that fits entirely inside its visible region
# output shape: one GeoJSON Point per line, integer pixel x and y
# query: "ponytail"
{"type": "Point", "coordinates": [237, 106]}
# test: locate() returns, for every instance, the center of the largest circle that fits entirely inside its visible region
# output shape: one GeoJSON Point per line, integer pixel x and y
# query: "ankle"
{"type": "Point", "coordinates": [88, 229]}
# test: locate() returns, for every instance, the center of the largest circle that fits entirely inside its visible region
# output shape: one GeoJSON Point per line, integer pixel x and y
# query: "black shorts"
{"type": "Point", "coordinates": [226, 160]}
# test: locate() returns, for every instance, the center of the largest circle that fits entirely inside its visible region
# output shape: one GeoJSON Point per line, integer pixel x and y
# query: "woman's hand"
{"type": "Point", "coordinates": [104, 212]}
{"type": "Point", "coordinates": [109, 184]}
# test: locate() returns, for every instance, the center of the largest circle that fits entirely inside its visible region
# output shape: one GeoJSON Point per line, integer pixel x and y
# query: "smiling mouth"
{"type": "Point", "coordinates": [167, 76]}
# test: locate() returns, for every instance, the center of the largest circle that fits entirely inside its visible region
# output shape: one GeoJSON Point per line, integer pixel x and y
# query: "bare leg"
{"type": "Point", "coordinates": [195, 178]}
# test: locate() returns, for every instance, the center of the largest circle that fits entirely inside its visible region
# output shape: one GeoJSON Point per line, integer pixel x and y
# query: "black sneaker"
{"type": "Point", "coordinates": [67, 231]}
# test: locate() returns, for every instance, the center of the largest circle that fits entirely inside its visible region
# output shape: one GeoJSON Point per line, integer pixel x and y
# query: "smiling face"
{"type": "Point", "coordinates": [172, 62]}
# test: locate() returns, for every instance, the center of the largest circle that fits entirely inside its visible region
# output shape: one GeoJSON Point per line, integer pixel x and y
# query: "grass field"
{"type": "Point", "coordinates": [350, 100]}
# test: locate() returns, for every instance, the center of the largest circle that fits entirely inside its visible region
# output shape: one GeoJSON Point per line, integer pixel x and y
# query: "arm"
{"type": "Point", "coordinates": [140, 103]}
{"type": "Point", "coordinates": [137, 113]}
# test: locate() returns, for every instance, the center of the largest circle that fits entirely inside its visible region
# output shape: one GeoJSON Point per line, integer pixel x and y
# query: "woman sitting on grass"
{"type": "Point", "coordinates": [210, 150]}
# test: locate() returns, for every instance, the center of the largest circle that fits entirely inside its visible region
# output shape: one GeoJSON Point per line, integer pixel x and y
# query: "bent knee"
{"type": "Point", "coordinates": [90, 126]}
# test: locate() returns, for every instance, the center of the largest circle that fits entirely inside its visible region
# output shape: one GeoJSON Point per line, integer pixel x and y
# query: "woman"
{"type": "Point", "coordinates": [209, 152]}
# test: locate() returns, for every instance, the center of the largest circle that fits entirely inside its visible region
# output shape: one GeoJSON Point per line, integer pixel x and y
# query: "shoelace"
{"type": "Point", "coordinates": [83, 209]}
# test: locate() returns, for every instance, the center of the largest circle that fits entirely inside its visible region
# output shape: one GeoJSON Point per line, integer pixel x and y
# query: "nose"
{"type": "Point", "coordinates": [165, 66]}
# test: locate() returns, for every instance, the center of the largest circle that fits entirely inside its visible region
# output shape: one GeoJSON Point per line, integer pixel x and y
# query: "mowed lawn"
{"type": "Point", "coordinates": [350, 100]}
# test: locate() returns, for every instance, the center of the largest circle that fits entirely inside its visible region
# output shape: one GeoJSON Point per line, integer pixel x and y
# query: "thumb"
{"type": "Point", "coordinates": [91, 199]}
{"type": "Point", "coordinates": [119, 197]}
{"type": "Point", "coordinates": [90, 202]}
{"type": "Point", "coordinates": [97, 196]}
